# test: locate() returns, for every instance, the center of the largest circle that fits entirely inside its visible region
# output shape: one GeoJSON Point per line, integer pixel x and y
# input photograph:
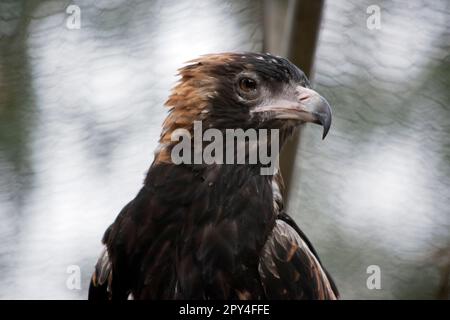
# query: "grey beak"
{"type": "Point", "coordinates": [317, 106]}
{"type": "Point", "coordinates": [303, 105]}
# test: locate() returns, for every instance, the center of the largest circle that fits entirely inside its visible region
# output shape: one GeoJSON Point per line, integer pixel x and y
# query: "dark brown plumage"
{"type": "Point", "coordinates": [218, 231]}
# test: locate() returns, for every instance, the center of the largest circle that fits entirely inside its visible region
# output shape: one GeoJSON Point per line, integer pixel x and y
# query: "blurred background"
{"type": "Point", "coordinates": [81, 111]}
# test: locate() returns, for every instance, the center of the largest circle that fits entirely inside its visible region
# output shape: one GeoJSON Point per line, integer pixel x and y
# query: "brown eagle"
{"type": "Point", "coordinates": [218, 231]}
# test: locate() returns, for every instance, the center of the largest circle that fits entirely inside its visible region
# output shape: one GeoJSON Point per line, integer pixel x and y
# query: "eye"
{"type": "Point", "coordinates": [247, 85]}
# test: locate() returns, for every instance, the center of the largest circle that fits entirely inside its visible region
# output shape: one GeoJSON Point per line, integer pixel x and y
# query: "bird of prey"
{"type": "Point", "coordinates": [218, 230]}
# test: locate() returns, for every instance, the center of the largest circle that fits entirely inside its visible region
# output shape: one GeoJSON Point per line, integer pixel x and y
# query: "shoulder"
{"type": "Point", "coordinates": [290, 269]}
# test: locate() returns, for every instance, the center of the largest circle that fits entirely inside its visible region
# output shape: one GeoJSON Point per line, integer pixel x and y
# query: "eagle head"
{"type": "Point", "coordinates": [244, 90]}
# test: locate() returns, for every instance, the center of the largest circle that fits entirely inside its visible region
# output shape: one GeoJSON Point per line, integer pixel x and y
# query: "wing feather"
{"type": "Point", "coordinates": [290, 270]}
{"type": "Point", "coordinates": [101, 281]}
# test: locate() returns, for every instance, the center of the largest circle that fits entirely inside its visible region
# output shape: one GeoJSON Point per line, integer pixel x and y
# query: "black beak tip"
{"type": "Point", "coordinates": [324, 119]}
{"type": "Point", "coordinates": [326, 127]}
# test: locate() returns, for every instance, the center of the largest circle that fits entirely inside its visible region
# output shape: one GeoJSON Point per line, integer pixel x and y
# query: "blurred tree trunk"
{"type": "Point", "coordinates": [291, 29]}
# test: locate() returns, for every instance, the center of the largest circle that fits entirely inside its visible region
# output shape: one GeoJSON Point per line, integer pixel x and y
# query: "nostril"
{"type": "Point", "coordinates": [304, 97]}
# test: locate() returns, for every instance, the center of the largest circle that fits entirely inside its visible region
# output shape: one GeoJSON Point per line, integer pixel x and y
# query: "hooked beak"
{"type": "Point", "coordinates": [307, 106]}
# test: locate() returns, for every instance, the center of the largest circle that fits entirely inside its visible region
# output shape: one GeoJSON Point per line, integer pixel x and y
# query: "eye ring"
{"type": "Point", "coordinates": [248, 85]}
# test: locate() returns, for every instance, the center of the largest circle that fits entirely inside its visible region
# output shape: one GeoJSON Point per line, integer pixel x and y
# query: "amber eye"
{"type": "Point", "coordinates": [247, 85]}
